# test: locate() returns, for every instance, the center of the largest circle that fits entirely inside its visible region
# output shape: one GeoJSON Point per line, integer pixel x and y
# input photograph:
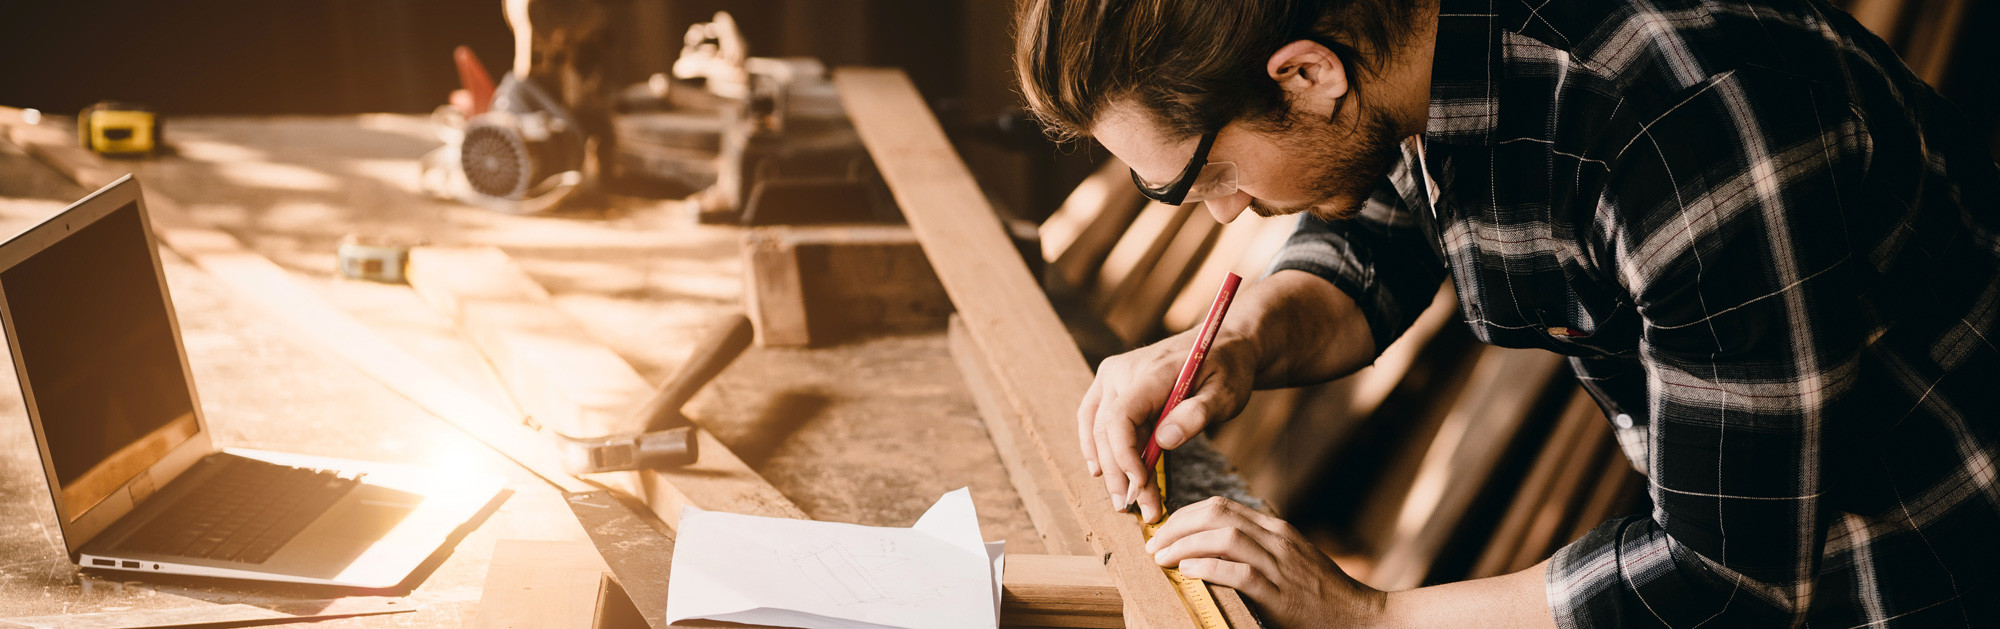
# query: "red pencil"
{"type": "Point", "coordinates": [1196, 355]}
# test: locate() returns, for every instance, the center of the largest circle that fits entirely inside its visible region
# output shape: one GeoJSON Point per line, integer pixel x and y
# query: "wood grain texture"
{"type": "Point", "coordinates": [1059, 530]}
{"type": "Point", "coordinates": [1138, 315]}
{"type": "Point", "coordinates": [1036, 365]}
{"type": "Point", "coordinates": [1542, 485]}
{"type": "Point", "coordinates": [558, 370]}
{"type": "Point", "coordinates": [1059, 591]}
{"type": "Point", "coordinates": [534, 584]}
{"type": "Point", "coordinates": [1080, 234]}
{"type": "Point", "coordinates": [773, 295]}
{"type": "Point", "coordinates": [1482, 423]}
{"type": "Point", "coordinates": [824, 284]}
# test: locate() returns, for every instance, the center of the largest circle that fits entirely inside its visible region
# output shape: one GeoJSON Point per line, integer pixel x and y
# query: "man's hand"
{"type": "Point", "coordinates": [1225, 543]}
{"type": "Point", "coordinates": [1128, 393]}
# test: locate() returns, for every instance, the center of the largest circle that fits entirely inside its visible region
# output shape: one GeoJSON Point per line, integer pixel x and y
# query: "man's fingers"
{"type": "Point", "coordinates": [1086, 419]}
{"type": "Point", "coordinates": [1231, 574]}
{"type": "Point", "coordinates": [1150, 507]}
{"type": "Point", "coordinates": [1213, 513]}
{"type": "Point", "coordinates": [1189, 417]}
{"type": "Point", "coordinates": [1228, 543]}
{"type": "Point", "coordinates": [1124, 450]}
{"type": "Point", "coordinates": [1115, 481]}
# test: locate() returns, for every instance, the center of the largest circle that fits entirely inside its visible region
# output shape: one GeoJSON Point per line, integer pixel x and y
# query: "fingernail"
{"type": "Point", "coordinates": [1117, 503]}
{"type": "Point", "coordinates": [1093, 467]}
{"type": "Point", "coordinates": [1168, 436]}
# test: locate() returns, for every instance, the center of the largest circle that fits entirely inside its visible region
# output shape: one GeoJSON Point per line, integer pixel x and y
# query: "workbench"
{"type": "Point", "coordinates": [869, 432]}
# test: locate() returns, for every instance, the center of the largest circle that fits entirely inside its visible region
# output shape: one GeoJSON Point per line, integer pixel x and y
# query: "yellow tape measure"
{"type": "Point", "coordinates": [1194, 592]}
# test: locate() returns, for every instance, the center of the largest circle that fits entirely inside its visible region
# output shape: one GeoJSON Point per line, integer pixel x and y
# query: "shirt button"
{"type": "Point", "coordinates": [1623, 421]}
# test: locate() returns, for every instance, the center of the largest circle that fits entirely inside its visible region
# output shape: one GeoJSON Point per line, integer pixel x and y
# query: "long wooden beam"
{"type": "Point", "coordinates": [1035, 363]}
{"type": "Point", "coordinates": [1032, 479]}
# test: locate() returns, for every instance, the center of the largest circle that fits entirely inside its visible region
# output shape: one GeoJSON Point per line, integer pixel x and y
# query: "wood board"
{"type": "Point", "coordinates": [1035, 363]}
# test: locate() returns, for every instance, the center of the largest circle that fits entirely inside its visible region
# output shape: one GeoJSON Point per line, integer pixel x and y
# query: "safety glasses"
{"type": "Point", "coordinates": [1199, 181]}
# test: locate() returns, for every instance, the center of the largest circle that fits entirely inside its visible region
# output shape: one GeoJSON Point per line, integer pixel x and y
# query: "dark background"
{"type": "Point", "coordinates": [267, 57]}
{"type": "Point", "coordinates": [252, 57]}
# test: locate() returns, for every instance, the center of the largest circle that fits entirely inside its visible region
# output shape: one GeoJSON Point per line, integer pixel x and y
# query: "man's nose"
{"type": "Point", "coordinates": [1227, 208]}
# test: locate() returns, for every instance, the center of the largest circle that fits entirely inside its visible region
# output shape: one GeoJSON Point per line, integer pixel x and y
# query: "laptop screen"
{"type": "Point", "coordinates": [97, 351]}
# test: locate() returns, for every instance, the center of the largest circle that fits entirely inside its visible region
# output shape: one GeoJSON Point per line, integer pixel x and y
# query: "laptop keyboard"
{"type": "Point", "coordinates": [244, 512]}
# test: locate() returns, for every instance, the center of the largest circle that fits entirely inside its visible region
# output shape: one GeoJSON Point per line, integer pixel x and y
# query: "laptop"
{"type": "Point", "coordinates": [137, 482]}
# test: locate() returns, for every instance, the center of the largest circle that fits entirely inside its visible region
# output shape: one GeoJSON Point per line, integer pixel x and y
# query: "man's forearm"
{"type": "Point", "coordinates": [1304, 330]}
{"type": "Point", "coordinates": [1509, 600]}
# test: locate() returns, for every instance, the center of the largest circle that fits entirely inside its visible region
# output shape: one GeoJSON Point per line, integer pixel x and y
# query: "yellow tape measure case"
{"type": "Point", "coordinates": [114, 128]}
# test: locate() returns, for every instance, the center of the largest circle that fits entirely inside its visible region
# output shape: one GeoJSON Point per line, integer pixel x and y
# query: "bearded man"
{"type": "Point", "coordinates": [1770, 251]}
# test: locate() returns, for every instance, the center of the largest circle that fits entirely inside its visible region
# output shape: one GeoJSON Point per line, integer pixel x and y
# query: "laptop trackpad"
{"type": "Point", "coordinates": [333, 543]}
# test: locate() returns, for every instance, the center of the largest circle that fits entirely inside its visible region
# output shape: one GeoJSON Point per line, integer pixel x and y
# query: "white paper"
{"type": "Point", "coordinates": [801, 573]}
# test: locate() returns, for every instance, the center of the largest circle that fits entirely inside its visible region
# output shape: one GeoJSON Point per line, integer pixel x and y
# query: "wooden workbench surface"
{"type": "Point", "coordinates": [870, 432]}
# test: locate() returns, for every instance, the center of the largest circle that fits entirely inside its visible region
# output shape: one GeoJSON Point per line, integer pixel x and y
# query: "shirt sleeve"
{"type": "Point", "coordinates": [1380, 258]}
{"type": "Point", "coordinates": [1726, 229]}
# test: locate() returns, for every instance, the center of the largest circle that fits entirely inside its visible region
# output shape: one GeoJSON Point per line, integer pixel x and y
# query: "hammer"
{"type": "Point", "coordinates": [668, 439]}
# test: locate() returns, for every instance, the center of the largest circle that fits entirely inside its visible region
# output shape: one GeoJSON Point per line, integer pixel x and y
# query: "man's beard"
{"type": "Point", "coordinates": [1346, 162]}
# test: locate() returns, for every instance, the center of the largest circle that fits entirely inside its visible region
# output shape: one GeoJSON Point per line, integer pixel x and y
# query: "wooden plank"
{"type": "Point", "coordinates": [1937, 28]}
{"type": "Point", "coordinates": [1059, 591]}
{"type": "Point", "coordinates": [1059, 530]}
{"type": "Point", "coordinates": [533, 584]}
{"type": "Point", "coordinates": [773, 296]}
{"type": "Point", "coordinates": [1137, 315]}
{"type": "Point", "coordinates": [1321, 429]}
{"type": "Point", "coordinates": [1505, 386]}
{"type": "Point", "coordinates": [1612, 486]}
{"type": "Point", "coordinates": [1076, 239]}
{"type": "Point", "coordinates": [1552, 518]}
{"type": "Point", "coordinates": [819, 284]}
{"type": "Point", "coordinates": [558, 370]}
{"type": "Point", "coordinates": [1191, 304]}
{"type": "Point", "coordinates": [1138, 250]}
{"type": "Point", "coordinates": [1882, 17]}
{"type": "Point", "coordinates": [1036, 365]}
{"type": "Point", "coordinates": [567, 381]}
{"type": "Point", "coordinates": [1538, 487]}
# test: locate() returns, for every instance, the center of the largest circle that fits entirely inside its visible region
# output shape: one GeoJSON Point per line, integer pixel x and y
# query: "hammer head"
{"type": "Point", "coordinates": [674, 447]}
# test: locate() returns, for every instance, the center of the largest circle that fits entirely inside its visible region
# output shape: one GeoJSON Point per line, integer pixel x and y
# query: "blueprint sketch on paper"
{"type": "Point", "coordinates": [800, 573]}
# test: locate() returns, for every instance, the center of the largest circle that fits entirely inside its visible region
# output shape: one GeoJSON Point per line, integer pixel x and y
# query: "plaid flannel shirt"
{"type": "Point", "coordinates": [1773, 256]}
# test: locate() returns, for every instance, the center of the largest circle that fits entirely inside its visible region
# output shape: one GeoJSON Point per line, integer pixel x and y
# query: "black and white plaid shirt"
{"type": "Point", "coordinates": [1773, 255]}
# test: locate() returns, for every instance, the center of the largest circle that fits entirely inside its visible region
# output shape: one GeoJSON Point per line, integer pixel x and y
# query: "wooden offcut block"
{"type": "Point", "coordinates": [821, 284]}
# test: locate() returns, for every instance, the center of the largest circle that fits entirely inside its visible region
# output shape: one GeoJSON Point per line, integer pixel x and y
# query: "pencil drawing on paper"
{"type": "Point", "coordinates": [856, 574]}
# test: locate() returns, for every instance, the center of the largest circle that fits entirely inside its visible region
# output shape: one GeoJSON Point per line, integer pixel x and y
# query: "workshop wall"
{"type": "Point", "coordinates": [239, 57]}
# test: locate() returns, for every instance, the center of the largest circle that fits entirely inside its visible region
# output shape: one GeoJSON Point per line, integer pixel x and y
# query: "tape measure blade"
{"type": "Point", "coordinates": [1194, 593]}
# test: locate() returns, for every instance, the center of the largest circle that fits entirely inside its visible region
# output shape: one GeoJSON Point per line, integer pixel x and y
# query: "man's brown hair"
{"type": "Point", "coordinates": [1192, 64]}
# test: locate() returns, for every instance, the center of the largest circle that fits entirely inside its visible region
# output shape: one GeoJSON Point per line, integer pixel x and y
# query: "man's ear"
{"type": "Point", "coordinates": [1309, 71]}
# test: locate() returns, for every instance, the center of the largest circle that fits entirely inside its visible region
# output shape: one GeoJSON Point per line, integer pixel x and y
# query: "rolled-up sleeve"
{"type": "Point", "coordinates": [1379, 257]}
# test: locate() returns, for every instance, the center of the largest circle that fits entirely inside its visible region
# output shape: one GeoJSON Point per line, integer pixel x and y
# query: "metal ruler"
{"type": "Point", "coordinates": [1194, 592]}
